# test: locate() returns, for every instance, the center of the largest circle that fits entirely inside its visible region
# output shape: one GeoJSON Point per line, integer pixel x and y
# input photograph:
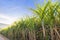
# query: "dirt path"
{"type": "Point", "coordinates": [3, 38]}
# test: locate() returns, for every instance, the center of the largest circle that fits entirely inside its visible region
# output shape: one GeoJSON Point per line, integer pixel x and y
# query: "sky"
{"type": "Point", "coordinates": [11, 10]}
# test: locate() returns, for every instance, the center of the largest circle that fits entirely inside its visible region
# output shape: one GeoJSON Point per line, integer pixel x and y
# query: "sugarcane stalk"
{"type": "Point", "coordinates": [57, 32]}
{"type": "Point", "coordinates": [43, 30]}
{"type": "Point", "coordinates": [51, 30]}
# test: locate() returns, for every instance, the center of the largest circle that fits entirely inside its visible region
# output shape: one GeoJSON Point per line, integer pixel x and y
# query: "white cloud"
{"type": "Point", "coordinates": [6, 19]}
{"type": "Point", "coordinates": [3, 16]}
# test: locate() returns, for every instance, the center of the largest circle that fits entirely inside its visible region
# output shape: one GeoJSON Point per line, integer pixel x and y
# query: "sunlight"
{"type": "Point", "coordinates": [6, 19]}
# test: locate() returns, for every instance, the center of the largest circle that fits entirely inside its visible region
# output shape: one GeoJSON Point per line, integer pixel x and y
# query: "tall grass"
{"type": "Point", "coordinates": [42, 27]}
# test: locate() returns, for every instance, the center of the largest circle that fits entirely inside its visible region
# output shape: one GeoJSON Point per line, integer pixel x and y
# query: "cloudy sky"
{"type": "Point", "coordinates": [11, 10]}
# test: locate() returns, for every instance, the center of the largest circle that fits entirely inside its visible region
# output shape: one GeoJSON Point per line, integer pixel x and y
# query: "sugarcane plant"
{"type": "Point", "coordinates": [42, 26]}
{"type": "Point", "coordinates": [49, 14]}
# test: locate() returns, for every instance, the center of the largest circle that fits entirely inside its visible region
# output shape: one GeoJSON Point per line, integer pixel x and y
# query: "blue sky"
{"type": "Point", "coordinates": [15, 7]}
{"type": "Point", "coordinates": [11, 10]}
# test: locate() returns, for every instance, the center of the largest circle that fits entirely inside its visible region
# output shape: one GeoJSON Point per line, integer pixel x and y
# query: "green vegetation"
{"type": "Point", "coordinates": [42, 26]}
